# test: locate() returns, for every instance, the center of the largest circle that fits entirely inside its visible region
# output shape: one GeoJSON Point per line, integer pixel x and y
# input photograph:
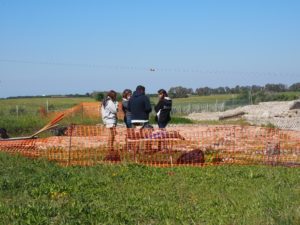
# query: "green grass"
{"type": "Point", "coordinates": [238, 122]}
{"type": "Point", "coordinates": [214, 98]}
{"type": "Point", "coordinates": [209, 98]}
{"type": "Point", "coordinates": [40, 192]}
{"type": "Point", "coordinates": [175, 119]}
{"type": "Point", "coordinates": [32, 105]}
{"type": "Point", "coordinates": [26, 124]}
{"type": "Point", "coordinates": [195, 98]}
{"type": "Point", "coordinates": [29, 120]}
{"type": "Point", "coordinates": [290, 93]}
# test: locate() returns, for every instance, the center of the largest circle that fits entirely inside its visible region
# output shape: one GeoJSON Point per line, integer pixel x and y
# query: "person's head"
{"type": "Point", "coordinates": [162, 93]}
{"type": "Point", "coordinates": [140, 89]}
{"type": "Point", "coordinates": [112, 95]}
{"type": "Point", "coordinates": [127, 93]}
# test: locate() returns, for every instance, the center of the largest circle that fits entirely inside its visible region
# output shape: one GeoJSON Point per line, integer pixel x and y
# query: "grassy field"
{"type": "Point", "coordinates": [194, 98]}
{"type": "Point", "coordinates": [214, 98]}
{"type": "Point", "coordinates": [40, 192]}
{"type": "Point", "coordinates": [32, 105]}
{"type": "Point", "coordinates": [28, 119]}
{"type": "Point", "coordinates": [291, 93]}
{"type": "Point", "coordinates": [21, 117]}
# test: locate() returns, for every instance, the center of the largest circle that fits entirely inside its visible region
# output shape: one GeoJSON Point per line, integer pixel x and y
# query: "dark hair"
{"type": "Point", "coordinates": [112, 95]}
{"type": "Point", "coordinates": [162, 91]}
{"type": "Point", "coordinates": [140, 89]}
{"type": "Point", "coordinates": [126, 92]}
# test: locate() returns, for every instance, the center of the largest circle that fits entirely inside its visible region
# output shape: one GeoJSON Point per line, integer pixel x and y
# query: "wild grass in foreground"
{"type": "Point", "coordinates": [40, 192]}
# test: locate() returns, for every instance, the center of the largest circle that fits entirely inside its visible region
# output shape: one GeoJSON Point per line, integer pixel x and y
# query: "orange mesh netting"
{"type": "Point", "coordinates": [85, 109]}
{"type": "Point", "coordinates": [185, 145]}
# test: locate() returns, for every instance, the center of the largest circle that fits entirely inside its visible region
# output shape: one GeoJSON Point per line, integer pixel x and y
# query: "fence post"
{"type": "Point", "coordinates": [17, 111]}
{"type": "Point", "coordinates": [70, 144]}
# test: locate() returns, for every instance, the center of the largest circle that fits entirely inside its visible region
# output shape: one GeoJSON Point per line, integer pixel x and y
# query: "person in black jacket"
{"type": "Point", "coordinates": [127, 93]}
{"type": "Point", "coordinates": [139, 106]}
{"type": "Point", "coordinates": [163, 109]}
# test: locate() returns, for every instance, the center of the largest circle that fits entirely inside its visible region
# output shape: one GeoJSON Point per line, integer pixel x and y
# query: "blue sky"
{"type": "Point", "coordinates": [73, 46]}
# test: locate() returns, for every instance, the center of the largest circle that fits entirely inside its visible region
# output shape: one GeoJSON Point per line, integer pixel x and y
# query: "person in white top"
{"type": "Point", "coordinates": [109, 110]}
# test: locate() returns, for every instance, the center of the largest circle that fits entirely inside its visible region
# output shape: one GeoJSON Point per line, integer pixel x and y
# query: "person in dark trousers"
{"type": "Point", "coordinates": [163, 109]}
{"type": "Point", "coordinates": [127, 93]}
{"type": "Point", "coordinates": [139, 106]}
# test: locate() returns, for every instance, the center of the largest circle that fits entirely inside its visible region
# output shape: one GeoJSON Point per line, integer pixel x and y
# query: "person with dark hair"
{"type": "Point", "coordinates": [127, 93]}
{"type": "Point", "coordinates": [109, 111]}
{"type": "Point", "coordinates": [139, 106]}
{"type": "Point", "coordinates": [163, 109]}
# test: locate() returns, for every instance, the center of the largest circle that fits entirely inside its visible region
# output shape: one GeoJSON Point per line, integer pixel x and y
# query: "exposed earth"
{"type": "Point", "coordinates": [284, 115]}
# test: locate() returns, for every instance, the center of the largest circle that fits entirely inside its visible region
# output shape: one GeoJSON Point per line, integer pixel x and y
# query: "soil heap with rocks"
{"type": "Point", "coordinates": [284, 115]}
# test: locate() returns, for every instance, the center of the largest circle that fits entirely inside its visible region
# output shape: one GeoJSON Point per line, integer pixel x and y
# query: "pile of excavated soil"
{"type": "Point", "coordinates": [284, 115]}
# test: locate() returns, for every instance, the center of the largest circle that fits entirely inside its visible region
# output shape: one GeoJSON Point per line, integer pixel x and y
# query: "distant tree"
{"type": "Point", "coordinates": [256, 88]}
{"type": "Point", "coordinates": [294, 87]}
{"type": "Point", "coordinates": [200, 91]}
{"type": "Point", "coordinates": [190, 91]}
{"type": "Point", "coordinates": [236, 89]}
{"type": "Point", "coordinates": [227, 90]}
{"type": "Point", "coordinates": [99, 96]}
{"type": "Point", "coordinates": [275, 87]}
{"type": "Point", "coordinates": [244, 95]}
{"type": "Point", "coordinates": [245, 89]}
{"type": "Point", "coordinates": [119, 97]}
{"type": "Point", "coordinates": [203, 91]}
{"type": "Point", "coordinates": [221, 90]}
{"type": "Point", "coordinates": [179, 92]}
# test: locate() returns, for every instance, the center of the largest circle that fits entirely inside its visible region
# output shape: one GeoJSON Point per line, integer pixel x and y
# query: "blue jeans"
{"type": "Point", "coordinates": [162, 125]}
{"type": "Point", "coordinates": [127, 121]}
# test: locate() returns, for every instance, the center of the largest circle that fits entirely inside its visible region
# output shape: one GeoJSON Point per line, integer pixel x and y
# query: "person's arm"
{"type": "Point", "coordinates": [124, 106]}
{"type": "Point", "coordinates": [148, 107]}
{"type": "Point", "coordinates": [128, 105]}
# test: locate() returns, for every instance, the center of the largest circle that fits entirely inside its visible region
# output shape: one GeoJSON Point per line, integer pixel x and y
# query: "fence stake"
{"type": "Point", "coordinates": [17, 111]}
{"type": "Point", "coordinates": [70, 144]}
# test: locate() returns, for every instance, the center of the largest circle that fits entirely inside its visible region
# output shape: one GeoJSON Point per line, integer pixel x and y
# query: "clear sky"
{"type": "Point", "coordinates": [77, 46]}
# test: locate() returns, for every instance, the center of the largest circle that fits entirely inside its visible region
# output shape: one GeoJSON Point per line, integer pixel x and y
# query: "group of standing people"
{"type": "Point", "coordinates": [136, 107]}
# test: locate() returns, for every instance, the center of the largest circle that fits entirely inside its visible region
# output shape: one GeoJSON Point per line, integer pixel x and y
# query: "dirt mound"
{"type": "Point", "coordinates": [284, 115]}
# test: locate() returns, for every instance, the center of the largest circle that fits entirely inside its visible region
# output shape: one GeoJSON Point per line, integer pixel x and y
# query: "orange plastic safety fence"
{"type": "Point", "coordinates": [85, 109]}
{"type": "Point", "coordinates": [188, 145]}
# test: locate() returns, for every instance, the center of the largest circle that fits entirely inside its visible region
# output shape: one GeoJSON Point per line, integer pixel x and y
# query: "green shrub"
{"type": "Point", "coordinates": [99, 96]}
{"type": "Point", "coordinates": [270, 96]}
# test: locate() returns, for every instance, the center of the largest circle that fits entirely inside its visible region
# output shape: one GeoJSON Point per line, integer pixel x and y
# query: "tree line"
{"type": "Point", "coordinates": [181, 92]}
